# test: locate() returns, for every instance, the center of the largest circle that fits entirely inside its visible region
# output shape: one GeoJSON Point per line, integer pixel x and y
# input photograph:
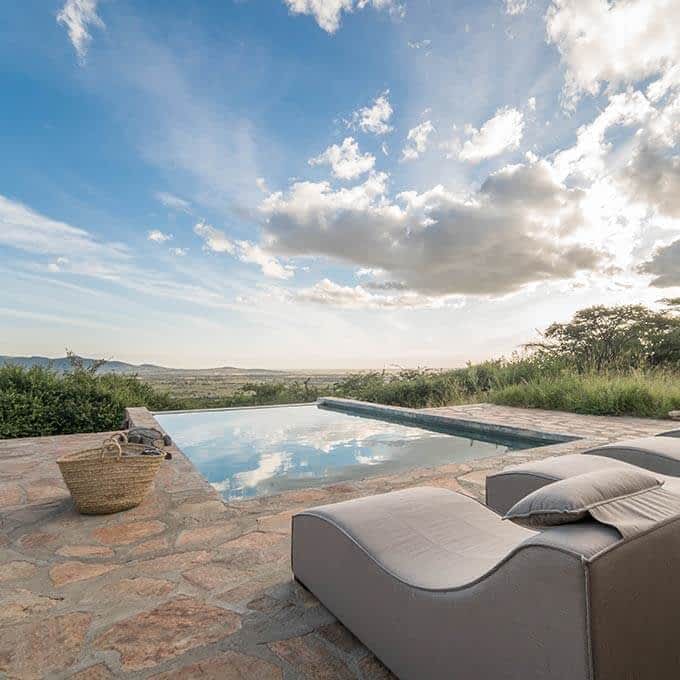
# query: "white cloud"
{"type": "Point", "coordinates": [173, 202]}
{"type": "Point", "coordinates": [27, 230]}
{"type": "Point", "coordinates": [451, 146]}
{"type": "Point", "coordinates": [626, 161]}
{"type": "Point", "coordinates": [518, 228]}
{"type": "Point", "coordinates": [419, 44]}
{"type": "Point", "coordinates": [217, 241]}
{"type": "Point", "coordinates": [178, 252]}
{"type": "Point", "coordinates": [327, 13]}
{"type": "Point", "coordinates": [78, 16]}
{"type": "Point", "coordinates": [58, 265]}
{"type": "Point", "coordinates": [159, 284]}
{"type": "Point", "coordinates": [531, 104]}
{"type": "Point", "coordinates": [501, 133]}
{"type": "Point", "coordinates": [327, 292]}
{"type": "Point", "coordinates": [261, 184]}
{"type": "Point", "coordinates": [642, 165]}
{"type": "Point", "coordinates": [515, 7]}
{"type": "Point", "coordinates": [367, 271]}
{"type": "Point", "coordinates": [417, 140]}
{"type": "Point", "coordinates": [670, 80]}
{"type": "Point", "coordinates": [270, 266]}
{"type": "Point", "coordinates": [78, 252]}
{"type": "Point", "coordinates": [345, 159]}
{"type": "Point", "coordinates": [375, 119]}
{"type": "Point", "coordinates": [616, 43]}
{"type": "Point", "coordinates": [157, 236]}
{"type": "Point", "coordinates": [664, 266]}
{"type": "Point", "coordinates": [587, 158]}
{"type": "Point", "coordinates": [652, 177]}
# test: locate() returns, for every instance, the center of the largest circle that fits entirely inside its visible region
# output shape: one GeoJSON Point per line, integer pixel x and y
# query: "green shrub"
{"type": "Point", "coordinates": [414, 388]}
{"type": "Point", "coordinates": [41, 402]}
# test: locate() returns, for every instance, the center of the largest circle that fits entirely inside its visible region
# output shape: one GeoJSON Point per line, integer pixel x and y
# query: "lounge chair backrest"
{"type": "Point", "coordinates": [656, 454]}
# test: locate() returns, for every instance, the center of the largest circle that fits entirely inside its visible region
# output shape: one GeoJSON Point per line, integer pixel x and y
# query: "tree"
{"type": "Point", "coordinates": [623, 337]}
{"type": "Point", "coordinates": [77, 363]}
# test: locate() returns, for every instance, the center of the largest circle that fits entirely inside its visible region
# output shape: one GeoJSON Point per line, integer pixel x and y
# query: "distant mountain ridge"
{"type": "Point", "coordinates": [62, 365]}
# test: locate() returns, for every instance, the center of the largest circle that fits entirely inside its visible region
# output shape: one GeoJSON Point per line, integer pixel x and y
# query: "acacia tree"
{"type": "Point", "coordinates": [77, 363]}
{"type": "Point", "coordinates": [624, 337]}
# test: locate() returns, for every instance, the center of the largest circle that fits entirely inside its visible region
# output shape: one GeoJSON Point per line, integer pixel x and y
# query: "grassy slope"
{"type": "Point", "coordinates": [648, 395]}
{"type": "Point", "coordinates": [528, 384]}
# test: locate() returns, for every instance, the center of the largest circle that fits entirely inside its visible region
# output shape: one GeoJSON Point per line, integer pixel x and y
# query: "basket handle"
{"type": "Point", "coordinates": [114, 440]}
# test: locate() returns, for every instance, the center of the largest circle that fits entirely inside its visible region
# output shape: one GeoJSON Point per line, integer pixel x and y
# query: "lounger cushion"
{"type": "Point", "coordinates": [669, 433]}
{"type": "Point", "coordinates": [505, 488]}
{"type": "Point", "coordinates": [657, 454]}
{"type": "Point", "coordinates": [429, 537]}
{"type": "Point", "coordinates": [573, 499]}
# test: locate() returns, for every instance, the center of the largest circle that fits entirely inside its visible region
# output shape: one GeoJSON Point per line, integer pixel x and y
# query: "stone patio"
{"type": "Point", "coordinates": [186, 585]}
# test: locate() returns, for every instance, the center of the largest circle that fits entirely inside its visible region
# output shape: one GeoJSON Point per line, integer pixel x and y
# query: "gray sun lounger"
{"type": "Point", "coordinates": [657, 454]}
{"type": "Point", "coordinates": [669, 433]}
{"type": "Point", "coordinates": [438, 586]}
{"type": "Point", "coordinates": [660, 454]}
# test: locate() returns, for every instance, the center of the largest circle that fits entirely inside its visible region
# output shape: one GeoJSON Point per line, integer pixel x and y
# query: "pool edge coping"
{"type": "Point", "coordinates": [425, 418]}
{"type": "Point", "coordinates": [230, 408]}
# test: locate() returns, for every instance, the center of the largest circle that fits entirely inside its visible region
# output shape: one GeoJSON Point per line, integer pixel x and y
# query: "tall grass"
{"type": "Point", "coordinates": [429, 388]}
{"type": "Point", "coordinates": [529, 382]}
{"type": "Point", "coordinates": [637, 394]}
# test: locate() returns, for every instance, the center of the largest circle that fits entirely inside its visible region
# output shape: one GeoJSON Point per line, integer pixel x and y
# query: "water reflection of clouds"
{"type": "Point", "coordinates": [270, 464]}
{"type": "Point", "coordinates": [260, 451]}
{"type": "Point", "coordinates": [312, 427]}
{"type": "Point", "coordinates": [370, 460]}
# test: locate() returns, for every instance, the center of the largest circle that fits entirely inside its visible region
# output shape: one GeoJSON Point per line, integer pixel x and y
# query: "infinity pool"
{"type": "Point", "coordinates": [254, 452]}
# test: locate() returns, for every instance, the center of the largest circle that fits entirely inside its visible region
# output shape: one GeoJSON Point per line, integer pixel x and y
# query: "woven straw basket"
{"type": "Point", "coordinates": [112, 478]}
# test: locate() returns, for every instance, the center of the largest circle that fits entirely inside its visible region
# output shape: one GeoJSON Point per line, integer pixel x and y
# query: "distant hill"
{"type": "Point", "coordinates": [62, 364]}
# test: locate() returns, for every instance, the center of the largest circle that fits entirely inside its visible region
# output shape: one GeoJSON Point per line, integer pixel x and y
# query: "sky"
{"type": "Point", "coordinates": [331, 183]}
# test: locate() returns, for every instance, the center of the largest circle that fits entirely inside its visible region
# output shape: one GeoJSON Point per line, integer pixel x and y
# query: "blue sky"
{"type": "Point", "coordinates": [331, 183]}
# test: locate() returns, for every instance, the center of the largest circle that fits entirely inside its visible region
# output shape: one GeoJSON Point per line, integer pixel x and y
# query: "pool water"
{"type": "Point", "coordinates": [253, 452]}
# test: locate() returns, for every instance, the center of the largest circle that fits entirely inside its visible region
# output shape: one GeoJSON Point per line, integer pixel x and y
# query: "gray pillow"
{"type": "Point", "coordinates": [572, 499]}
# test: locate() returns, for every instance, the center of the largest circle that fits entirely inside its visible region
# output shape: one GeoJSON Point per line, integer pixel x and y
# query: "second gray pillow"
{"type": "Point", "coordinates": [571, 499]}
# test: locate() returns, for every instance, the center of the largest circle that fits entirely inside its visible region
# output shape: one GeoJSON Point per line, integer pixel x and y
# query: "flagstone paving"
{"type": "Point", "coordinates": [186, 585]}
